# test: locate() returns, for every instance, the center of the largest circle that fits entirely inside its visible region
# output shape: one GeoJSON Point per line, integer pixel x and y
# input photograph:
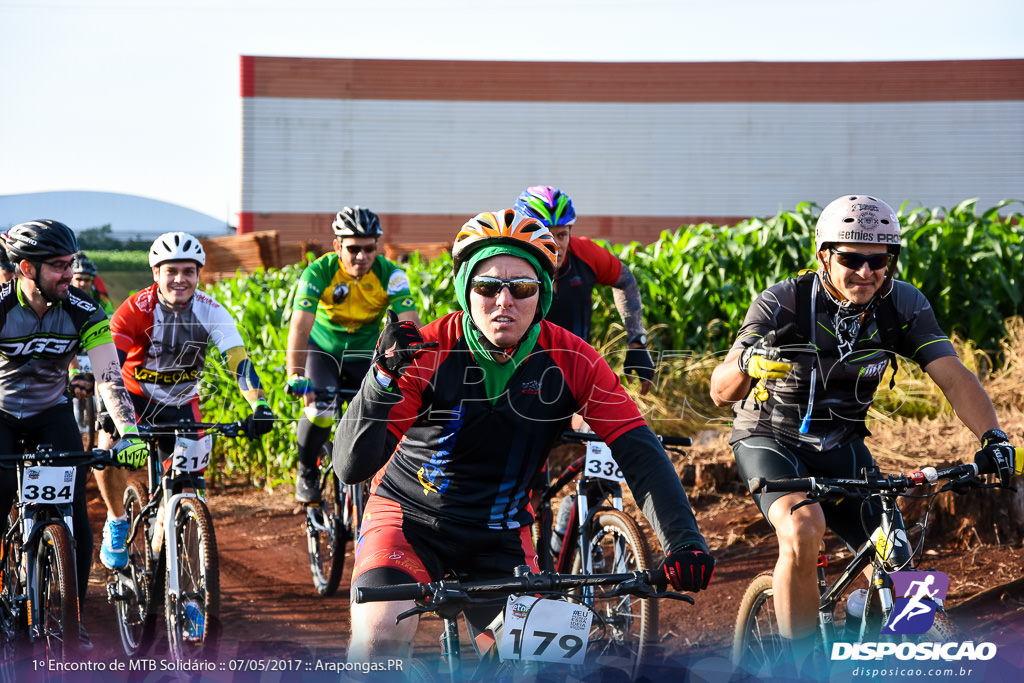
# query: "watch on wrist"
{"type": "Point", "coordinates": [639, 339]}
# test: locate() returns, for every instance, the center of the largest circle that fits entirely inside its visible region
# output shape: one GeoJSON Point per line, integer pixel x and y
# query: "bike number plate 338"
{"type": "Point", "coordinates": [545, 630]}
{"type": "Point", "coordinates": [600, 463]}
{"type": "Point", "coordinates": [46, 484]}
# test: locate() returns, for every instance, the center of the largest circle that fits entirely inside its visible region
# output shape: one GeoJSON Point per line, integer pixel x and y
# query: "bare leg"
{"type": "Point", "coordinates": [111, 481]}
{"type": "Point", "coordinates": [795, 579]}
{"type": "Point", "coordinates": [375, 634]}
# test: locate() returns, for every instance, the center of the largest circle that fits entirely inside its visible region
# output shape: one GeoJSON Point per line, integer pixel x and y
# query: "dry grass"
{"type": "Point", "coordinates": [914, 414]}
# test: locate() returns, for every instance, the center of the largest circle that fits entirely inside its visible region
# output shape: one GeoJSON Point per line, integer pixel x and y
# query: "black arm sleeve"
{"type": "Point", "coordinates": [362, 441]}
{"type": "Point", "coordinates": [657, 489]}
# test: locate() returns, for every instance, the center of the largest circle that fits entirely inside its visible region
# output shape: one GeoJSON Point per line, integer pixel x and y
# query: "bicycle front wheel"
{"type": "Point", "coordinates": [193, 615]}
{"type": "Point", "coordinates": [325, 532]}
{"type": "Point", "coordinates": [11, 622]}
{"type": "Point", "coordinates": [757, 643]}
{"type": "Point", "coordinates": [56, 594]}
{"type": "Point", "coordinates": [624, 626]}
{"type": "Point", "coordinates": [133, 602]}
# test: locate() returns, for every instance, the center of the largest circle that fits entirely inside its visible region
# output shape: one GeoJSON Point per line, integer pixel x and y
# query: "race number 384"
{"type": "Point", "coordinates": [545, 630]}
{"type": "Point", "coordinates": [44, 484]}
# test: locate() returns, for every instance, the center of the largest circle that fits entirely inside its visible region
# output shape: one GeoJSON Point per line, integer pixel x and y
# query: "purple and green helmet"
{"type": "Point", "coordinates": [547, 204]}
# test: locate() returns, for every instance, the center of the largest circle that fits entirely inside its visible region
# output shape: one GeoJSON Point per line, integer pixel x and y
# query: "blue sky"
{"type": "Point", "coordinates": [142, 96]}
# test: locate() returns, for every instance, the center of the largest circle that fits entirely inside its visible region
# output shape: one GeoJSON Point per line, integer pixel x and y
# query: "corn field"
{"type": "Point", "coordinates": [696, 284]}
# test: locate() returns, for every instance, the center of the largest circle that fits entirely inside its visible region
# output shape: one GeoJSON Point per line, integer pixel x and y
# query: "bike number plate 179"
{"type": "Point", "coordinates": [600, 463]}
{"type": "Point", "coordinates": [545, 630]}
{"type": "Point", "coordinates": [46, 484]}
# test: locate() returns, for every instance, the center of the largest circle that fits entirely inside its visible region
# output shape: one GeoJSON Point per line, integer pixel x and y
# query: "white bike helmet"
{"type": "Point", "coordinates": [859, 219]}
{"type": "Point", "coordinates": [176, 246]}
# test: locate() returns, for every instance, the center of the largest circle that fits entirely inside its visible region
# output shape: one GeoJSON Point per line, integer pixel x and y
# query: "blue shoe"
{"type": "Point", "coordinates": [114, 551]}
{"type": "Point", "coordinates": [195, 624]}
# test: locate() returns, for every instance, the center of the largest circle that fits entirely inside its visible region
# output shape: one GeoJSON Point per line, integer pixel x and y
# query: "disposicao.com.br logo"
{"type": "Point", "coordinates": [917, 595]}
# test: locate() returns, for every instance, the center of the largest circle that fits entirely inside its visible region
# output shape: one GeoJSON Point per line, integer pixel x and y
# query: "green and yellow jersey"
{"type": "Point", "coordinates": [348, 312]}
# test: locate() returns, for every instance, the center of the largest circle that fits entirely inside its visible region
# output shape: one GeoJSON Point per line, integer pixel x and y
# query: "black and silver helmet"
{"type": "Point", "coordinates": [39, 240]}
{"type": "Point", "coordinates": [356, 222]}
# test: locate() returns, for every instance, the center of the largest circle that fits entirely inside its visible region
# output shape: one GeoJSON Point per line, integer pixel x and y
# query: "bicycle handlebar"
{"type": "Point", "coordinates": [590, 436]}
{"type": "Point", "coordinates": [823, 486]}
{"type": "Point", "coordinates": [229, 429]}
{"type": "Point", "coordinates": [47, 456]}
{"type": "Point", "coordinates": [640, 583]}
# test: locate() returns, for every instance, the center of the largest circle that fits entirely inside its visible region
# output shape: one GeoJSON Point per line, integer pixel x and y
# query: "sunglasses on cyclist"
{"type": "Point", "coordinates": [354, 249]}
{"type": "Point", "coordinates": [519, 288]}
{"type": "Point", "coordinates": [854, 260]}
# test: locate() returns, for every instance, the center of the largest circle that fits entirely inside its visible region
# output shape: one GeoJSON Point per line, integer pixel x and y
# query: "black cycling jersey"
{"type": "Point", "coordinates": [586, 264]}
{"type": "Point", "coordinates": [35, 350]}
{"type": "Point", "coordinates": [845, 381]}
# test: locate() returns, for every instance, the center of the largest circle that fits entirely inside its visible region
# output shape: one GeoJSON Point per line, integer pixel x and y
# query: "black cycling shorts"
{"type": "Point", "coordinates": [851, 519]}
{"type": "Point", "coordinates": [327, 370]}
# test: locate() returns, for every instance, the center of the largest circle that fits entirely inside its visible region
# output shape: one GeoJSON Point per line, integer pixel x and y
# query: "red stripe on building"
{"type": "Point", "coordinates": [441, 228]}
{"type": "Point", "coordinates": [378, 79]}
{"type": "Point", "coordinates": [248, 66]}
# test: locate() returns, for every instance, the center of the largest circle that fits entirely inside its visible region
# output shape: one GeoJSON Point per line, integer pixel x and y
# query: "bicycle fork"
{"type": "Point", "coordinates": [173, 586]}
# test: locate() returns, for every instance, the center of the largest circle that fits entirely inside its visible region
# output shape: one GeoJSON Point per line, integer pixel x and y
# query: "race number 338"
{"type": "Point", "coordinates": [601, 464]}
{"type": "Point", "coordinates": [545, 630]}
{"type": "Point", "coordinates": [44, 484]}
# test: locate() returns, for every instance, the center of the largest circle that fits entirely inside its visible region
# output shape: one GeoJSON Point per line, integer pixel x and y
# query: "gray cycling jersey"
{"type": "Point", "coordinates": [846, 380]}
{"type": "Point", "coordinates": [35, 351]}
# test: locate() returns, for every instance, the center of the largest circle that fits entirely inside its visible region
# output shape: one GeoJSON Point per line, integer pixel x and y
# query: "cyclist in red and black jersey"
{"type": "Point", "coordinates": [581, 265]}
{"type": "Point", "coordinates": [460, 424]}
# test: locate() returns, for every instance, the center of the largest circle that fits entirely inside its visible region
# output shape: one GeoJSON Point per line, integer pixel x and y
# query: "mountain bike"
{"type": "Point", "coordinates": [758, 645]}
{"type": "Point", "coordinates": [545, 621]}
{"type": "Point", "coordinates": [596, 535]}
{"type": "Point", "coordinates": [39, 614]}
{"type": "Point", "coordinates": [172, 549]}
{"type": "Point", "coordinates": [335, 520]}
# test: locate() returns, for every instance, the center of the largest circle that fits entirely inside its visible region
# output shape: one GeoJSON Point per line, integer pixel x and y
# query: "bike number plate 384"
{"type": "Point", "coordinates": [545, 630]}
{"type": "Point", "coordinates": [600, 463]}
{"type": "Point", "coordinates": [45, 484]}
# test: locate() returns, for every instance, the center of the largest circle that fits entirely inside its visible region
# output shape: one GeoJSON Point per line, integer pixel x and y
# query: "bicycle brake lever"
{"type": "Point", "coordinates": [417, 610]}
{"type": "Point", "coordinates": [673, 596]}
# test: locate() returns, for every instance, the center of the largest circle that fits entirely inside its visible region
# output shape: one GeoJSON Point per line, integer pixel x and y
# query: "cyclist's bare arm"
{"type": "Point", "coordinates": [299, 328]}
{"type": "Point", "coordinates": [728, 383]}
{"type": "Point", "coordinates": [110, 385]}
{"type": "Point", "coordinates": [964, 392]}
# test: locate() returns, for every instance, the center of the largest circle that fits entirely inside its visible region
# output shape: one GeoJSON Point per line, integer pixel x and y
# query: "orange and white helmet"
{"type": "Point", "coordinates": [858, 219]}
{"type": "Point", "coordinates": [505, 227]}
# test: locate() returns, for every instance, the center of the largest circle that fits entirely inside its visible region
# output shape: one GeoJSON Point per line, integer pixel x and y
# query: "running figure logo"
{"type": "Point", "coordinates": [916, 595]}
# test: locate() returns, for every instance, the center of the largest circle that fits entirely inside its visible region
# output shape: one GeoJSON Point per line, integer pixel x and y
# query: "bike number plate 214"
{"type": "Point", "coordinates": [44, 484]}
{"type": "Point", "coordinates": [545, 630]}
{"type": "Point", "coordinates": [600, 463]}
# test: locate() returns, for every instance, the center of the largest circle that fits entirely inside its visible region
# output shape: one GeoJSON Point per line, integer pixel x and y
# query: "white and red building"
{"type": "Point", "coordinates": [640, 147]}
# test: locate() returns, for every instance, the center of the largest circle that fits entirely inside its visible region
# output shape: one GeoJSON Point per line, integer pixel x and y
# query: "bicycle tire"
{"type": "Point", "coordinates": [56, 593]}
{"type": "Point", "coordinates": [134, 608]}
{"type": "Point", "coordinates": [757, 643]}
{"type": "Point", "coordinates": [624, 627]}
{"type": "Point", "coordinates": [326, 547]}
{"type": "Point", "coordinates": [193, 619]}
{"type": "Point", "coordinates": [12, 623]}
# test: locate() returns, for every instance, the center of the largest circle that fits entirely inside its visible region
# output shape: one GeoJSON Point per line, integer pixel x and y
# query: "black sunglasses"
{"type": "Point", "coordinates": [854, 260]}
{"type": "Point", "coordinates": [354, 249]}
{"type": "Point", "coordinates": [520, 288]}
